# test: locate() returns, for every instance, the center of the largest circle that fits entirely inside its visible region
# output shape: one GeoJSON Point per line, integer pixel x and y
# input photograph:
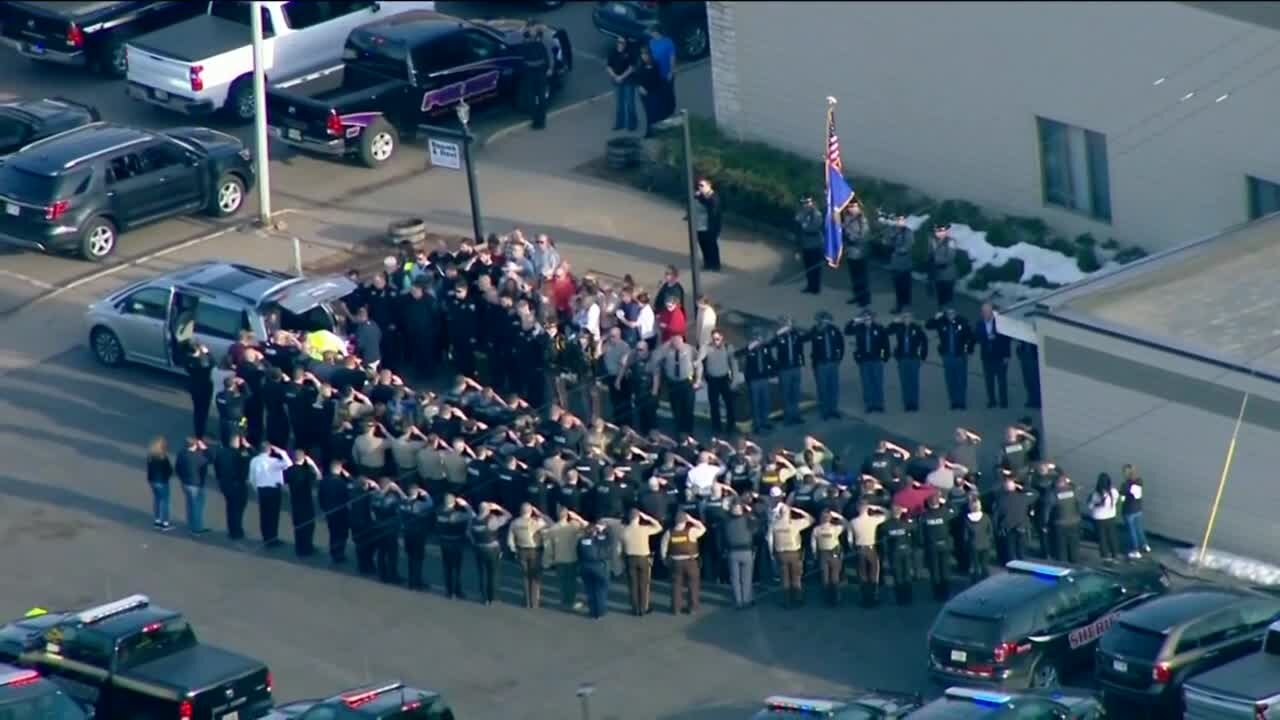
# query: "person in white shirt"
{"type": "Point", "coordinates": [266, 474]}
{"type": "Point", "coordinates": [943, 478]}
{"type": "Point", "coordinates": [1103, 504]}
{"type": "Point", "coordinates": [703, 476]}
{"type": "Point", "coordinates": [647, 322]}
{"type": "Point", "coordinates": [704, 321]}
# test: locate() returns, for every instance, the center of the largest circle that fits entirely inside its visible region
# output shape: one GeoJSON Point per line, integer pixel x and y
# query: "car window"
{"type": "Point", "coordinates": [1097, 592]}
{"type": "Point", "coordinates": [216, 321]}
{"type": "Point", "coordinates": [1134, 642]}
{"type": "Point", "coordinates": [148, 302]}
{"type": "Point", "coordinates": [13, 131]}
{"type": "Point", "coordinates": [43, 706]}
{"type": "Point", "coordinates": [952, 625]}
{"type": "Point", "coordinates": [1065, 606]}
{"type": "Point", "coordinates": [162, 156]}
{"type": "Point", "coordinates": [238, 12]}
{"type": "Point", "coordinates": [1259, 614]}
{"type": "Point", "coordinates": [445, 53]}
{"type": "Point", "coordinates": [302, 14]}
{"type": "Point", "coordinates": [1220, 627]}
{"type": "Point", "coordinates": [154, 642]}
{"type": "Point", "coordinates": [481, 47]}
{"type": "Point", "coordinates": [21, 184]}
{"type": "Point", "coordinates": [81, 644]}
{"type": "Point", "coordinates": [320, 712]}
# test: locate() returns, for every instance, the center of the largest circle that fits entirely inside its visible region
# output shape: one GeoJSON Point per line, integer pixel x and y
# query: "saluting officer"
{"type": "Point", "coordinates": [955, 342]}
{"type": "Point", "coordinates": [333, 497]}
{"type": "Point", "coordinates": [910, 349]}
{"type": "Point", "coordinates": [901, 261]}
{"type": "Point", "coordinates": [826, 350]}
{"type": "Point", "coordinates": [757, 367]}
{"type": "Point", "coordinates": [386, 514]}
{"type": "Point", "coordinates": [525, 541]}
{"type": "Point", "coordinates": [828, 543]}
{"type": "Point", "coordinates": [452, 520]}
{"type": "Point", "coordinates": [788, 353]}
{"type": "Point", "coordinates": [809, 233]}
{"type": "Point", "coordinates": [936, 537]}
{"type": "Point", "coordinates": [900, 538]}
{"type": "Point", "coordinates": [1012, 511]}
{"type": "Point", "coordinates": [416, 515]}
{"type": "Point", "coordinates": [853, 227]}
{"type": "Point", "coordinates": [870, 350]}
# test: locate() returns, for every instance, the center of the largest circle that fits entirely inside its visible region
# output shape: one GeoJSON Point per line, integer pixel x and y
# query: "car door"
{"type": "Point", "coordinates": [218, 325]}
{"type": "Point", "coordinates": [1206, 643]}
{"type": "Point", "coordinates": [174, 178]}
{"type": "Point", "coordinates": [142, 325]}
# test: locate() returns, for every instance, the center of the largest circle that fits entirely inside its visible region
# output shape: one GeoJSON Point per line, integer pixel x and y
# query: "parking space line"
{"type": "Point", "coordinates": [34, 282]}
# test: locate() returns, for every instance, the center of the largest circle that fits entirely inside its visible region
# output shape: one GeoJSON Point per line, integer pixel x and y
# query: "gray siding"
{"type": "Point", "coordinates": [1108, 402]}
{"type": "Point", "coordinates": [943, 97]}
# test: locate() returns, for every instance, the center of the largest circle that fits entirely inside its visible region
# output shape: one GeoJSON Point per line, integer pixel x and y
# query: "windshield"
{"type": "Point", "coordinates": [1129, 641]}
{"type": "Point", "coordinates": [155, 642]}
{"type": "Point", "coordinates": [50, 705]}
{"type": "Point", "coordinates": [954, 626]}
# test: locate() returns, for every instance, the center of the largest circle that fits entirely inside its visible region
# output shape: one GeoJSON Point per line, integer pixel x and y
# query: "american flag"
{"type": "Point", "coordinates": [833, 143]}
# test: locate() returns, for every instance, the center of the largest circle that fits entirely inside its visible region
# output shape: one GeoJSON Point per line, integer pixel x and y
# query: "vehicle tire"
{"type": "Point", "coordinates": [378, 143]}
{"type": "Point", "coordinates": [106, 347]}
{"type": "Point", "coordinates": [99, 240]}
{"type": "Point", "coordinates": [1044, 675]}
{"type": "Point", "coordinates": [694, 42]}
{"type": "Point", "coordinates": [113, 60]}
{"type": "Point", "coordinates": [228, 196]}
{"type": "Point", "coordinates": [240, 105]}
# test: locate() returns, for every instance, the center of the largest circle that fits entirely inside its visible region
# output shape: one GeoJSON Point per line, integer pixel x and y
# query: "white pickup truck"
{"type": "Point", "coordinates": [205, 64]}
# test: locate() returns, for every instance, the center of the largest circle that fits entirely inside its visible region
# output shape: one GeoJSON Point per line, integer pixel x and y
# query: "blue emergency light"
{"type": "Point", "coordinates": [816, 707]}
{"type": "Point", "coordinates": [1049, 571]}
{"type": "Point", "coordinates": [981, 697]}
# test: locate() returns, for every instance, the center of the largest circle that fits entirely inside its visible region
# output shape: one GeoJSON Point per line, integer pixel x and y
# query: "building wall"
{"type": "Point", "coordinates": [1108, 402]}
{"type": "Point", "coordinates": [943, 97]}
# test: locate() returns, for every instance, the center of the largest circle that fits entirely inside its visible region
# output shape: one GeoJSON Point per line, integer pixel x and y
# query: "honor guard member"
{"type": "Point", "coordinates": [1029, 363]}
{"type": "Point", "coordinates": [415, 519]}
{"type": "Point", "coordinates": [334, 500]}
{"type": "Point", "coordinates": [862, 535]}
{"type": "Point", "coordinates": [910, 349]}
{"type": "Point", "coordinates": [524, 539]}
{"type": "Point", "coordinates": [485, 532]}
{"type": "Point", "coordinates": [301, 480]}
{"type": "Point", "coordinates": [942, 259]}
{"type": "Point", "coordinates": [636, 538]}
{"type": "Point", "coordinates": [788, 354]}
{"type": "Point", "coordinates": [594, 556]}
{"type": "Point", "coordinates": [809, 232]}
{"type": "Point", "coordinates": [676, 372]}
{"type": "Point", "coordinates": [900, 539]}
{"type": "Point", "coordinates": [870, 351]}
{"type": "Point", "coordinates": [955, 342]}
{"type": "Point", "coordinates": [1016, 453]}
{"type": "Point", "coordinates": [680, 548]}
{"type": "Point", "coordinates": [1065, 520]}
{"type": "Point", "coordinates": [362, 491]}
{"type": "Point", "coordinates": [453, 518]}
{"type": "Point", "coordinates": [935, 534]}
{"type": "Point", "coordinates": [826, 350]}
{"type": "Point", "coordinates": [827, 543]}
{"type": "Point", "coordinates": [1011, 519]}
{"type": "Point", "coordinates": [386, 516]}
{"type": "Point", "coordinates": [784, 535]}
{"type": "Point", "coordinates": [757, 367]}
{"type": "Point", "coordinates": [853, 229]}
{"type": "Point", "coordinates": [901, 262]}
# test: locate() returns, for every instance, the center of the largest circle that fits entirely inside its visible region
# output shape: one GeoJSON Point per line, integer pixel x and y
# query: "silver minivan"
{"type": "Point", "coordinates": [139, 323]}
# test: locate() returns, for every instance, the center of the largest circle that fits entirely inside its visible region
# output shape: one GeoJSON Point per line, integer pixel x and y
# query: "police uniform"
{"type": "Point", "coordinates": [463, 322]}
{"type": "Point", "coordinates": [416, 515]}
{"type": "Point", "coordinates": [533, 81]}
{"type": "Point", "coordinates": [386, 517]}
{"type": "Point", "coordinates": [638, 378]}
{"type": "Point", "coordinates": [231, 413]}
{"type": "Point", "coordinates": [757, 367]}
{"type": "Point", "coordinates": [593, 563]}
{"type": "Point", "coordinates": [788, 547]}
{"type": "Point", "coordinates": [525, 539]}
{"type": "Point", "coordinates": [870, 351]}
{"type": "Point", "coordinates": [853, 228]}
{"type": "Point", "coordinates": [809, 224]}
{"type": "Point", "coordinates": [1012, 522]}
{"type": "Point", "coordinates": [910, 349]}
{"type": "Point", "coordinates": [942, 257]}
{"type": "Point", "coordinates": [900, 539]}
{"type": "Point", "coordinates": [677, 374]}
{"type": "Point", "coordinates": [362, 526]}
{"type": "Point", "coordinates": [485, 539]}
{"type": "Point", "coordinates": [788, 353]}
{"type": "Point", "coordinates": [936, 539]}
{"type": "Point", "coordinates": [955, 342]}
{"type": "Point", "coordinates": [826, 351]}
{"type": "Point", "coordinates": [828, 545]}
{"type": "Point", "coordinates": [682, 551]}
{"type": "Point", "coordinates": [1065, 520]}
{"type": "Point", "coordinates": [901, 261]}
{"type": "Point", "coordinates": [451, 531]}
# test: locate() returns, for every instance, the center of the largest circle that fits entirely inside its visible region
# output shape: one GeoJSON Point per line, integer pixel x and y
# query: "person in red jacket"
{"type": "Point", "coordinates": [563, 289]}
{"type": "Point", "coordinates": [914, 496]}
{"type": "Point", "coordinates": [671, 320]}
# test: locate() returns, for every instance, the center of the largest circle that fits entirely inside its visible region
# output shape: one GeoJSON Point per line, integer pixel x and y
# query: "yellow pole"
{"type": "Point", "coordinates": [1222, 481]}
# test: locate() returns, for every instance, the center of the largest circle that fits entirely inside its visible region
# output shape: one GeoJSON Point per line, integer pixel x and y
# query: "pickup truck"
{"type": "Point", "coordinates": [205, 64]}
{"type": "Point", "coordinates": [1247, 688]}
{"type": "Point", "coordinates": [402, 71]}
{"type": "Point", "coordinates": [130, 659]}
{"type": "Point", "coordinates": [89, 34]}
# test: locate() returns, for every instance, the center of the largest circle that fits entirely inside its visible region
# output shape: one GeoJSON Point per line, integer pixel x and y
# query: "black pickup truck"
{"type": "Point", "coordinates": [90, 34]}
{"type": "Point", "coordinates": [399, 72]}
{"type": "Point", "coordinates": [130, 659]}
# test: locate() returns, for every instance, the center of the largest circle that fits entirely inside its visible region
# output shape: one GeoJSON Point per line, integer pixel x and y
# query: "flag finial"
{"type": "Point", "coordinates": [831, 100]}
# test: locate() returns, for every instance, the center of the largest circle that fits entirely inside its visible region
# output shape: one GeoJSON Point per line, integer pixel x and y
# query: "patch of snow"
{"type": "Point", "coordinates": [1053, 266]}
{"type": "Point", "coordinates": [1241, 568]}
{"type": "Point", "coordinates": [913, 221]}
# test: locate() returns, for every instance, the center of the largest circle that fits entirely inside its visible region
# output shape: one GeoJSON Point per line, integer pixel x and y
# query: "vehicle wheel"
{"type": "Point", "coordinates": [694, 42]}
{"type": "Point", "coordinates": [98, 240]}
{"type": "Point", "coordinates": [1044, 675]}
{"type": "Point", "coordinates": [115, 60]}
{"type": "Point", "coordinates": [240, 105]}
{"type": "Point", "coordinates": [228, 197]}
{"type": "Point", "coordinates": [106, 347]}
{"type": "Point", "coordinates": [378, 143]}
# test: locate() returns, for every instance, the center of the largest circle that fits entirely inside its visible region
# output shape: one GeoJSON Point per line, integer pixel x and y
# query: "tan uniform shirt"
{"type": "Point", "coordinates": [370, 451]}
{"type": "Point", "coordinates": [635, 538]}
{"type": "Point", "coordinates": [561, 544]}
{"type": "Point", "coordinates": [826, 536]}
{"type": "Point", "coordinates": [455, 467]}
{"type": "Point", "coordinates": [405, 453]}
{"type": "Point", "coordinates": [430, 464]}
{"type": "Point", "coordinates": [786, 533]}
{"type": "Point", "coordinates": [864, 529]}
{"type": "Point", "coordinates": [525, 533]}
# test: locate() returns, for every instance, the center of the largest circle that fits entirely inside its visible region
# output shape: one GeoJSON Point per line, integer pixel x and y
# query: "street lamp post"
{"type": "Point", "coordinates": [464, 117]}
{"type": "Point", "coordinates": [262, 153]}
{"type": "Point", "coordinates": [682, 118]}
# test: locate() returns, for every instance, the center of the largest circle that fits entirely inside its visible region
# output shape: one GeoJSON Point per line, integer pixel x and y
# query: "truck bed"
{"type": "Point", "coordinates": [1254, 677]}
{"type": "Point", "coordinates": [196, 39]}
{"type": "Point", "coordinates": [196, 668]}
{"type": "Point", "coordinates": [330, 87]}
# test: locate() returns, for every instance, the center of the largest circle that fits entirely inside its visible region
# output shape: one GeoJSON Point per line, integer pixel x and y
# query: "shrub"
{"type": "Point", "coordinates": [964, 264]}
{"type": "Point", "coordinates": [1010, 272]}
{"type": "Point", "coordinates": [1028, 229]}
{"type": "Point", "coordinates": [1086, 240]}
{"type": "Point", "coordinates": [1087, 260]}
{"type": "Point", "coordinates": [960, 211]}
{"type": "Point", "coordinates": [1059, 244]}
{"type": "Point", "coordinates": [1039, 281]}
{"type": "Point", "coordinates": [1111, 244]}
{"type": "Point", "coordinates": [1000, 235]}
{"type": "Point", "coordinates": [1128, 255]}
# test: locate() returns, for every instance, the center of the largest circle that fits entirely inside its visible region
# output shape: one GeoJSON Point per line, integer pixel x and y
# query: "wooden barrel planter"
{"type": "Point", "coordinates": [409, 229]}
{"type": "Point", "coordinates": [622, 152]}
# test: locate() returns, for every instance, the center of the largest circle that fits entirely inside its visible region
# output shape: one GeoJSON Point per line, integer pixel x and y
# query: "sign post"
{"type": "Point", "coordinates": [451, 148]}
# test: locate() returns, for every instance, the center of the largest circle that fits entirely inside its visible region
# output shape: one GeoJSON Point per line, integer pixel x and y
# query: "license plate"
{"type": "Point", "coordinates": [233, 715]}
{"type": "Point", "coordinates": [959, 656]}
{"type": "Point", "coordinates": [161, 95]}
{"type": "Point", "coordinates": [36, 49]}
{"type": "Point", "coordinates": [12, 209]}
{"type": "Point", "coordinates": [1120, 666]}
{"type": "Point", "coordinates": [295, 134]}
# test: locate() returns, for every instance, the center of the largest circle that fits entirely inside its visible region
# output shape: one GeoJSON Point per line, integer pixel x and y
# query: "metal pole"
{"type": "Point", "coordinates": [476, 226]}
{"type": "Point", "coordinates": [262, 152]}
{"type": "Point", "coordinates": [1222, 482]}
{"type": "Point", "coordinates": [584, 697]}
{"type": "Point", "coordinates": [693, 229]}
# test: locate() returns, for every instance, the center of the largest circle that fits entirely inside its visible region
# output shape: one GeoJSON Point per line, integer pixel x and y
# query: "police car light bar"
{"type": "Point", "coordinates": [981, 697]}
{"type": "Point", "coordinates": [19, 677]}
{"type": "Point", "coordinates": [1052, 571]}
{"type": "Point", "coordinates": [102, 612]}
{"type": "Point", "coordinates": [782, 702]}
{"type": "Point", "coordinates": [364, 696]}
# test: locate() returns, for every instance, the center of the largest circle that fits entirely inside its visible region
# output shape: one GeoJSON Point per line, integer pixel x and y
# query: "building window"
{"type": "Point", "coordinates": [1073, 162]}
{"type": "Point", "coordinates": [1264, 197]}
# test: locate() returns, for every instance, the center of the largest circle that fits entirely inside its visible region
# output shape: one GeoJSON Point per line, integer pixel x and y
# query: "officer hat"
{"type": "Point", "coordinates": [822, 316]}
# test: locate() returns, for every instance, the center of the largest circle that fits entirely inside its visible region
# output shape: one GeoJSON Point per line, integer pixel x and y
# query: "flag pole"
{"type": "Point", "coordinates": [1222, 482]}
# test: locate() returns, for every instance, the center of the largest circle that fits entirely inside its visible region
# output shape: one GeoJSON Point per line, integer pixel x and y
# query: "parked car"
{"type": "Point", "coordinates": [385, 701]}
{"type": "Point", "coordinates": [139, 323]}
{"type": "Point", "coordinates": [400, 71]}
{"type": "Point", "coordinates": [205, 64]}
{"type": "Point", "coordinates": [76, 191]}
{"type": "Point", "coordinates": [1150, 651]}
{"type": "Point", "coordinates": [868, 705]}
{"type": "Point", "coordinates": [684, 21]}
{"type": "Point", "coordinates": [25, 121]}
{"type": "Point", "coordinates": [131, 659]}
{"type": "Point", "coordinates": [969, 704]}
{"type": "Point", "coordinates": [1247, 688]}
{"type": "Point", "coordinates": [91, 34]}
{"type": "Point", "coordinates": [24, 694]}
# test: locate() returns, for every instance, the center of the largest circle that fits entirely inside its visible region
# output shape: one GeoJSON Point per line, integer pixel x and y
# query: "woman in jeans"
{"type": "Point", "coordinates": [1103, 504]}
{"type": "Point", "coordinates": [621, 65]}
{"type": "Point", "coordinates": [1132, 510]}
{"type": "Point", "coordinates": [159, 472]}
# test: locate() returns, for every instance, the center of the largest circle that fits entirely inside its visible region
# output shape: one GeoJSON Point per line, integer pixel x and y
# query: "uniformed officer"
{"type": "Point", "coordinates": [863, 534]}
{"type": "Point", "coordinates": [936, 539]}
{"type": "Point", "coordinates": [416, 515]}
{"type": "Point", "coordinates": [484, 532]}
{"type": "Point", "coordinates": [853, 228]}
{"type": "Point", "coordinates": [362, 491]}
{"type": "Point", "coordinates": [910, 349]}
{"type": "Point", "coordinates": [809, 234]}
{"type": "Point", "coordinates": [199, 366]}
{"type": "Point", "coordinates": [1017, 450]}
{"type": "Point", "coordinates": [675, 370]}
{"type": "Point", "coordinates": [301, 480]}
{"type": "Point", "coordinates": [636, 541]}
{"type": "Point", "coordinates": [533, 81]}
{"type": "Point", "coordinates": [788, 358]}
{"type": "Point", "coordinates": [594, 554]}
{"type": "Point", "coordinates": [464, 329]}
{"type": "Point", "coordinates": [942, 258]}
{"type": "Point", "coordinates": [1012, 521]}
{"type": "Point", "coordinates": [637, 376]}
{"type": "Point", "coordinates": [757, 368]}
{"type": "Point", "coordinates": [453, 518]}
{"type": "Point", "coordinates": [901, 262]}
{"type": "Point", "coordinates": [826, 350]}
{"type": "Point", "coordinates": [899, 536]}
{"type": "Point", "coordinates": [784, 535]}
{"type": "Point", "coordinates": [955, 342]}
{"type": "Point", "coordinates": [1065, 521]}
{"type": "Point", "coordinates": [231, 408]}
{"type": "Point", "coordinates": [524, 539]}
{"type": "Point", "coordinates": [231, 466]}
{"type": "Point", "coordinates": [870, 351]}
{"type": "Point", "coordinates": [386, 517]}
{"type": "Point", "coordinates": [680, 548]}
{"type": "Point", "coordinates": [828, 541]}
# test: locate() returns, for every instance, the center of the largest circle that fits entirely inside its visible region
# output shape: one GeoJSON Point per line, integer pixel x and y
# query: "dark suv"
{"type": "Point", "coordinates": [1145, 657]}
{"type": "Point", "coordinates": [75, 191]}
{"type": "Point", "coordinates": [389, 701]}
{"type": "Point", "coordinates": [23, 122]}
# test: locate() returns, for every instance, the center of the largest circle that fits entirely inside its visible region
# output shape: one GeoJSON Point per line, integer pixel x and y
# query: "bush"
{"type": "Point", "coordinates": [1111, 244]}
{"type": "Point", "coordinates": [1128, 255]}
{"type": "Point", "coordinates": [1086, 240]}
{"type": "Point", "coordinates": [1039, 281]}
{"type": "Point", "coordinates": [1060, 245]}
{"type": "Point", "coordinates": [964, 264]}
{"type": "Point", "coordinates": [1000, 235]}
{"type": "Point", "coordinates": [1087, 260]}
{"type": "Point", "coordinates": [1010, 272]}
{"type": "Point", "coordinates": [960, 211]}
{"type": "Point", "coordinates": [1028, 229]}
